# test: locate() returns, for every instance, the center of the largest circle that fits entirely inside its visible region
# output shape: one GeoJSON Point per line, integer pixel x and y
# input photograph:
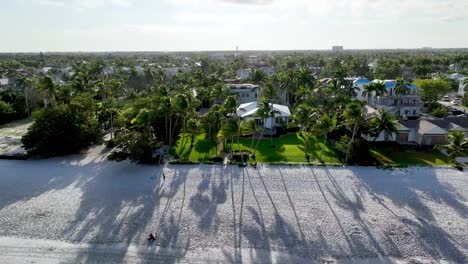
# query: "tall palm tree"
{"type": "Point", "coordinates": [49, 89]}
{"type": "Point", "coordinates": [25, 83]}
{"type": "Point", "coordinates": [303, 116]}
{"type": "Point", "coordinates": [250, 127]}
{"type": "Point", "coordinates": [384, 122]}
{"type": "Point", "coordinates": [401, 88]}
{"type": "Point", "coordinates": [263, 112]}
{"type": "Point", "coordinates": [457, 146]}
{"type": "Point", "coordinates": [325, 125]}
{"type": "Point", "coordinates": [355, 117]}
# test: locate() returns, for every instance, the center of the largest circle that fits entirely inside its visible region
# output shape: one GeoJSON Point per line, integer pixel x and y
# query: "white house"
{"type": "Point", "coordinates": [408, 105]}
{"type": "Point", "coordinates": [281, 117]}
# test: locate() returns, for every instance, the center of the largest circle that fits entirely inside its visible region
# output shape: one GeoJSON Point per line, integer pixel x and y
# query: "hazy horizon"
{"type": "Point", "coordinates": [30, 26]}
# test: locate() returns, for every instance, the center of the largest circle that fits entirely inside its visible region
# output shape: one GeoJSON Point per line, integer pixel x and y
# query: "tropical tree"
{"type": "Point", "coordinates": [355, 117]}
{"type": "Point", "coordinates": [257, 76]}
{"type": "Point", "coordinates": [383, 122]}
{"type": "Point", "coordinates": [49, 89]}
{"type": "Point", "coordinates": [303, 116]}
{"type": "Point", "coordinates": [325, 125]}
{"type": "Point", "coordinates": [377, 88]}
{"type": "Point", "coordinates": [250, 127]}
{"type": "Point", "coordinates": [269, 92]}
{"type": "Point", "coordinates": [25, 83]}
{"type": "Point", "coordinates": [457, 146]}
{"type": "Point", "coordinates": [349, 89]}
{"type": "Point", "coordinates": [401, 88]}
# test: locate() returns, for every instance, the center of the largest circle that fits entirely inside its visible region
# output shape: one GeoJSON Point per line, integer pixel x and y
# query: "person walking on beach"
{"type": "Point", "coordinates": [151, 237]}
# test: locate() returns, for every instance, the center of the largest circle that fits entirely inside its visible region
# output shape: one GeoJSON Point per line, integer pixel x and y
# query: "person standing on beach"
{"type": "Point", "coordinates": [164, 176]}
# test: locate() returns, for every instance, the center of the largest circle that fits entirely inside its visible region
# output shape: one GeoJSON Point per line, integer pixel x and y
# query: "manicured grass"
{"type": "Point", "coordinates": [289, 148]}
{"type": "Point", "coordinates": [201, 150]}
{"type": "Point", "coordinates": [410, 157]}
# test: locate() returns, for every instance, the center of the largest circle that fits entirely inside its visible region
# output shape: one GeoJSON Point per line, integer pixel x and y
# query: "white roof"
{"type": "Point", "coordinates": [4, 81]}
{"type": "Point", "coordinates": [250, 109]}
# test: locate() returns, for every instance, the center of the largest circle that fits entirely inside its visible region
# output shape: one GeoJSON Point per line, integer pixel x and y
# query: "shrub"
{"type": "Point", "coordinates": [6, 112]}
{"type": "Point", "coordinates": [64, 129]}
{"type": "Point", "coordinates": [358, 151]}
{"type": "Point", "coordinates": [138, 146]}
{"type": "Point", "coordinates": [217, 159]}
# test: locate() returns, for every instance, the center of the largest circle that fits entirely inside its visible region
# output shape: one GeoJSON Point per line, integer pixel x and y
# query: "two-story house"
{"type": "Point", "coordinates": [246, 93]}
{"type": "Point", "coordinates": [403, 105]}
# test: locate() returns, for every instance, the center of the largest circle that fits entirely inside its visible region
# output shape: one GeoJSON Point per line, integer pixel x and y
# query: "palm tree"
{"type": "Point", "coordinates": [192, 126]}
{"type": "Point", "coordinates": [355, 117]}
{"type": "Point", "coordinates": [49, 89]}
{"type": "Point", "coordinates": [257, 76]}
{"type": "Point", "coordinates": [230, 105]}
{"type": "Point", "coordinates": [457, 146]}
{"type": "Point", "coordinates": [401, 88]}
{"type": "Point", "coordinates": [263, 112]}
{"type": "Point", "coordinates": [181, 104]}
{"type": "Point", "coordinates": [376, 88]}
{"type": "Point", "coordinates": [303, 116]}
{"type": "Point", "coordinates": [250, 126]}
{"type": "Point", "coordinates": [349, 89]}
{"type": "Point", "coordinates": [325, 125]}
{"type": "Point", "coordinates": [303, 77]}
{"type": "Point", "coordinates": [269, 92]}
{"type": "Point", "coordinates": [383, 122]}
{"type": "Point", "coordinates": [229, 129]}
{"type": "Point", "coordinates": [25, 83]}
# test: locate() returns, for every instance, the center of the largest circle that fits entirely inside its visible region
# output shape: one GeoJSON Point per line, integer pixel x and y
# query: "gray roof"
{"type": "Point", "coordinates": [461, 121]}
{"type": "Point", "coordinates": [424, 127]}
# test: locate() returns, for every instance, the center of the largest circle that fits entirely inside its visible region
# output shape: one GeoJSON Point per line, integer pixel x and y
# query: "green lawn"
{"type": "Point", "coordinates": [290, 148]}
{"type": "Point", "coordinates": [201, 150]}
{"type": "Point", "coordinates": [410, 157]}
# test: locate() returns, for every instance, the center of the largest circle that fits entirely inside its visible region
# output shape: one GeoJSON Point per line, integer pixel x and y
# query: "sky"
{"type": "Point", "coordinates": [199, 25]}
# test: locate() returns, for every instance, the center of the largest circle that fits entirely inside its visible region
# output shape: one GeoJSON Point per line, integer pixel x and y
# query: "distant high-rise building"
{"type": "Point", "coordinates": [337, 48]}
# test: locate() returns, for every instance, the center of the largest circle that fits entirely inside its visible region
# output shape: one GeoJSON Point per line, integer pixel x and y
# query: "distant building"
{"type": "Point", "coordinates": [337, 48]}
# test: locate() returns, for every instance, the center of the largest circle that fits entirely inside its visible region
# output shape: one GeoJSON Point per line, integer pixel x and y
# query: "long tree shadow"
{"type": "Point", "coordinates": [414, 193]}
{"type": "Point", "coordinates": [356, 207]}
{"type": "Point", "coordinates": [205, 203]}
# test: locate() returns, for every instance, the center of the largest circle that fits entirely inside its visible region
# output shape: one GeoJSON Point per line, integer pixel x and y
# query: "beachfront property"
{"type": "Point", "coordinates": [424, 132]}
{"type": "Point", "coordinates": [281, 114]}
{"type": "Point", "coordinates": [406, 105]}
